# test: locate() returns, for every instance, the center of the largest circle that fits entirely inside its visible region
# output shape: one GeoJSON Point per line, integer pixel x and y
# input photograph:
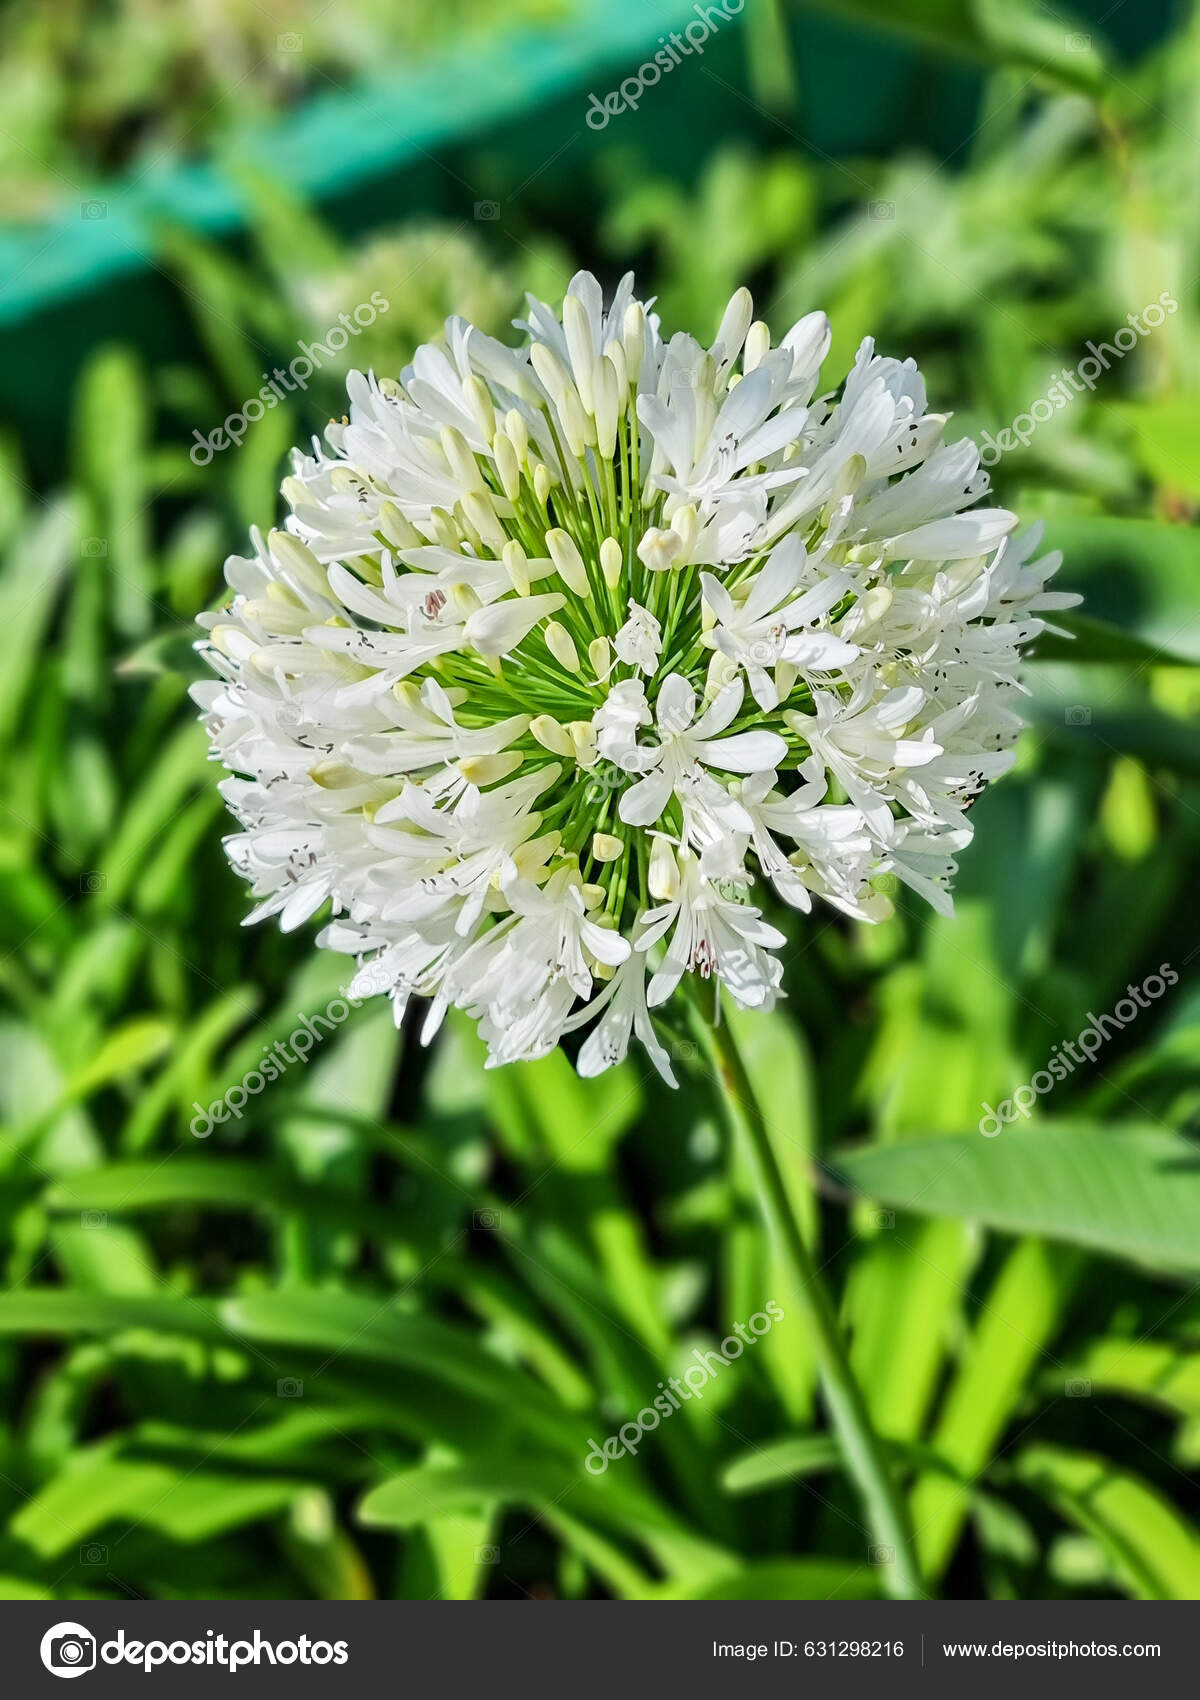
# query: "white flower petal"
{"type": "Point", "coordinates": [745, 752]}
{"type": "Point", "coordinates": [644, 802]}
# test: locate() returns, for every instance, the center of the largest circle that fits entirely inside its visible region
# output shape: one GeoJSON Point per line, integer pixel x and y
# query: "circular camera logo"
{"type": "Point", "coordinates": [69, 1649]}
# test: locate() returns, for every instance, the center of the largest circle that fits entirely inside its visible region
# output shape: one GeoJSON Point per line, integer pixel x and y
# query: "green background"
{"type": "Point", "coordinates": [354, 1343]}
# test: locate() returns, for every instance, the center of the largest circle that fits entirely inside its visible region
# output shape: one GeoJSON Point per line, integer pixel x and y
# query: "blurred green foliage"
{"type": "Point", "coordinates": [355, 1341]}
{"type": "Point", "coordinates": [89, 89]}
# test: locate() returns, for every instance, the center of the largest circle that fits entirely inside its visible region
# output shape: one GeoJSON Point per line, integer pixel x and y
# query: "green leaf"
{"type": "Point", "coordinates": [171, 652]}
{"type": "Point", "coordinates": [437, 1490]}
{"type": "Point", "coordinates": [113, 428]}
{"type": "Point", "coordinates": [115, 1261]}
{"type": "Point", "coordinates": [1040, 39]}
{"type": "Point", "coordinates": [33, 575]}
{"type": "Point", "coordinates": [178, 770]}
{"type": "Point", "coordinates": [904, 1295]}
{"type": "Point", "coordinates": [97, 1488]}
{"type": "Point", "coordinates": [1145, 1370]}
{"type": "Point", "coordinates": [442, 1558]}
{"type": "Point", "coordinates": [1151, 1548]}
{"type": "Point", "coordinates": [19, 1588]}
{"type": "Point", "coordinates": [295, 1437]}
{"type": "Point", "coordinates": [1097, 640]}
{"type": "Point", "coordinates": [57, 1311]}
{"type": "Point", "coordinates": [1013, 32]}
{"type": "Point", "coordinates": [577, 1120]}
{"type": "Point", "coordinates": [219, 1183]}
{"type": "Point", "coordinates": [549, 1489]}
{"type": "Point", "coordinates": [787, 1579]}
{"type": "Point", "coordinates": [781, 1461]}
{"type": "Point", "coordinates": [1166, 439]}
{"type": "Point", "coordinates": [1158, 740]}
{"type": "Point", "coordinates": [128, 1048]}
{"type": "Point", "coordinates": [203, 1505]}
{"type": "Point", "coordinates": [1137, 576]}
{"type": "Point", "coordinates": [1133, 1192]}
{"type": "Point", "coordinates": [798, 1455]}
{"type": "Point", "coordinates": [369, 1328]}
{"type": "Point", "coordinates": [1015, 1325]}
{"type": "Point", "coordinates": [323, 1552]}
{"type": "Point", "coordinates": [509, 1310]}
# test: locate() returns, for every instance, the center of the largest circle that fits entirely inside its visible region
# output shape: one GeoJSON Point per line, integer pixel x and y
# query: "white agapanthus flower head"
{"type": "Point", "coordinates": [571, 656]}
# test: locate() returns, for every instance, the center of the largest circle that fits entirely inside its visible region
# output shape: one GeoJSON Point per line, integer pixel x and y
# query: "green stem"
{"type": "Point", "coordinates": [861, 1446]}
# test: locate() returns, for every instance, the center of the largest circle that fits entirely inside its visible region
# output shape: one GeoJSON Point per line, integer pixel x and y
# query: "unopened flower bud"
{"type": "Point", "coordinates": [568, 561]}
{"type": "Point", "coordinates": [552, 736]}
{"type": "Point", "coordinates": [758, 344]}
{"type": "Point", "coordinates": [508, 467]}
{"type": "Point", "coordinates": [516, 565]}
{"type": "Point", "coordinates": [605, 403]}
{"type": "Point", "coordinates": [481, 511]}
{"type": "Point", "coordinates": [400, 532]}
{"type": "Point", "coordinates": [583, 737]}
{"type": "Point", "coordinates": [516, 430]}
{"type": "Point", "coordinates": [600, 656]}
{"type": "Point", "coordinates": [298, 561]}
{"type": "Point", "coordinates": [561, 646]}
{"type": "Point", "coordinates": [611, 562]}
{"type": "Point", "coordinates": [633, 336]}
{"type": "Point", "coordinates": [486, 770]}
{"type": "Point", "coordinates": [664, 872]}
{"type": "Point", "coordinates": [551, 371]}
{"type": "Point", "coordinates": [461, 461]}
{"type": "Point", "coordinates": [477, 398]}
{"type": "Point", "coordinates": [685, 523]}
{"type": "Point", "coordinates": [735, 322]}
{"type": "Point", "coordinates": [445, 533]}
{"type": "Point", "coordinates": [580, 346]}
